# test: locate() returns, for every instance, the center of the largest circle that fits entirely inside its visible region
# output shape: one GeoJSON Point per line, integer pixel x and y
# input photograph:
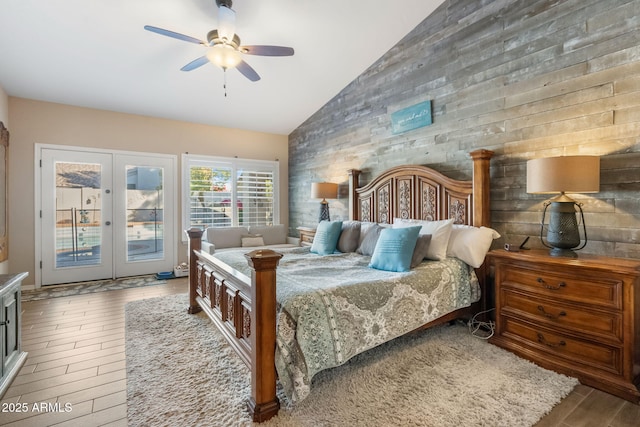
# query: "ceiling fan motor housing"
{"type": "Point", "coordinates": [214, 38]}
{"type": "Point", "coordinates": [225, 3]}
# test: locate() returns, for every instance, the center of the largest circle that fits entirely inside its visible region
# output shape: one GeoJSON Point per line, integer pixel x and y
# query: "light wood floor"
{"type": "Point", "coordinates": [76, 356]}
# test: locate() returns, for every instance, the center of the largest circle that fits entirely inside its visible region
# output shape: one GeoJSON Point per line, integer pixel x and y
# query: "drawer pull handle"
{"type": "Point", "coordinates": [542, 340]}
{"type": "Point", "coordinates": [547, 286]}
{"type": "Point", "coordinates": [550, 315]}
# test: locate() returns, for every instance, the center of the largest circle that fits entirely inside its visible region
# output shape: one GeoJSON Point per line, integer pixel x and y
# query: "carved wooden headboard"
{"type": "Point", "coordinates": [419, 192]}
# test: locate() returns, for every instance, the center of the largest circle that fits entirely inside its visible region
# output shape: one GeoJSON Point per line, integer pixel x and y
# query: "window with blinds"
{"type": "Point", "coordinates": [223, 192]}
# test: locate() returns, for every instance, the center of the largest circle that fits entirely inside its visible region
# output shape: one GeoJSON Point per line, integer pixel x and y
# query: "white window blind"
{"type": "Point", "coordinates": [255, 196]}
{"type": "Point", "coordinates": [224, 192]}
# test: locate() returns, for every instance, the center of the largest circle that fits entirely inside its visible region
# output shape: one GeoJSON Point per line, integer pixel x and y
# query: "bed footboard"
{"type": "Point", "coordinates": [244, 311]}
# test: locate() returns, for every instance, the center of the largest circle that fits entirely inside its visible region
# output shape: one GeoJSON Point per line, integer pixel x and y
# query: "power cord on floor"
{"type": "Point", "coordinates": [480, 329]}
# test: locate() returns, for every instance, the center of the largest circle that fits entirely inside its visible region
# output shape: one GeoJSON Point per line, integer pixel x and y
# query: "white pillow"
{"type": "Point", "coordinates": [471, 244]}
{"type": "Point", "coordinates": [252, 240]}
{"type": "Point", "coordinates": [439, 230]}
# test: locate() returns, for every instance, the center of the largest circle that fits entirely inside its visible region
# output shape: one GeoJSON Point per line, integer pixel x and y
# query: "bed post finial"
{"type": "Point", "coordinates": [195, 244]}
{"type": "Point", "coordinates": [481, 196]}
{"type": "Point", "coordinates": [354, 183]}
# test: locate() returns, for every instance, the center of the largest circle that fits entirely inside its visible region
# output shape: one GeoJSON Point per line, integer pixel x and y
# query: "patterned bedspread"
{"type": "Point", "coordinates": [334, 307]}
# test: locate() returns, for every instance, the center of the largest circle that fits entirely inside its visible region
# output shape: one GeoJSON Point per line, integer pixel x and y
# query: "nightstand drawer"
{"type": "Point", "coordinates": [572, 285]}
{"type": "Point", "coordinates": [558, 314]}
{"type": "Point", "coordinates": [306, 238]}
{"type": "Point", "coordinates": [306, 235]}
{"type": "Point", "coordinates": [574, 351]}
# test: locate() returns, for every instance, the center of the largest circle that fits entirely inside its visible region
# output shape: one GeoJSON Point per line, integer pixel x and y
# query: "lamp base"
{"type": "Point", "coordinates": [560, 252]}
{"type": "Point", "coordinates": [324, 212]}
{"type": "Point", "coordinates": [563, 235]}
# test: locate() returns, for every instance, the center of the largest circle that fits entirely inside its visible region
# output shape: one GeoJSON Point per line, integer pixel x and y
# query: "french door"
{"type": "Point", "coordinates": [105, 214]}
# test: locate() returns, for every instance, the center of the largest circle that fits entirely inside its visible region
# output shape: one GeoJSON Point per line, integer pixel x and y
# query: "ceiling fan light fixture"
{"type": "Point", "coordinates": [224, 56]}
{"type": "Point", "coordinates": [223, 45]}
{"type": "Point", "coordinates": [226, 23]}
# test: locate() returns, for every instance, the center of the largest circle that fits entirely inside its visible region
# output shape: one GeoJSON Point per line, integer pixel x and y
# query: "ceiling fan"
{"type": "Point", "coordinates": [223, 45]}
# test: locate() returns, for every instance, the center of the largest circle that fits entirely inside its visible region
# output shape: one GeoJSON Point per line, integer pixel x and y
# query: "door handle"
{"type": "Point", "coordinates": [107, 223]}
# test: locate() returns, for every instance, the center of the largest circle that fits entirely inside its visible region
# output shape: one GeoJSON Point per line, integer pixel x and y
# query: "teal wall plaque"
{"type": "Point", "coordinates": [410, 118]}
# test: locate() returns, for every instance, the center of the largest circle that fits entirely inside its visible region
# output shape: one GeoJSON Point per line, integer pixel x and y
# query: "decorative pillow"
{"type": "Point", "coordinates": [369, 233]}
{"type": "Point", "coordinates": [349, 236]}
{"type": "Point", "coordinates": [420, 251]}
{"type": "Point", "coordinates": [249, 240]}
{"type": "Point", "coordinates": [471, 244]}
{"type": "Point", "coordinates": [394, 249]}
{"type": "Point", "coordinates": [440, 232]}
{"type": "Point", "coordinates": [326, 238]}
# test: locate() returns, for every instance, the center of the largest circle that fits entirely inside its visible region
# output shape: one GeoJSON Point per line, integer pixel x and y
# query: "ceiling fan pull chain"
{"type": "Point", "coordinates": [224, 71]}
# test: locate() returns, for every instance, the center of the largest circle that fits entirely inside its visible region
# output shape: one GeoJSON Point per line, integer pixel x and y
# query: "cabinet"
{"type": "Point", "coordinates": [12, 355]}
{"type": "Point", "coordinates": [306, 235]}
{"type": "Point", "coordinates": [577, 316]}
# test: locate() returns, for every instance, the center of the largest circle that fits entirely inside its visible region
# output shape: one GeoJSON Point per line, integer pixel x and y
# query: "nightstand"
{"type": "Point", "coordinates": [577, 316]}
{"type": "Point", "coordinates": [306, 235]}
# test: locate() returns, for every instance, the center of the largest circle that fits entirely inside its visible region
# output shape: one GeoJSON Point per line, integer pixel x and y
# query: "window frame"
{"type": "Point", "coordinates": [233, 163]}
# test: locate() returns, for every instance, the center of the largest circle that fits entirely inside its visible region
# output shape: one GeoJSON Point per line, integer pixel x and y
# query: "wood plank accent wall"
{"type": "Point", "coordinates": [524, 78]}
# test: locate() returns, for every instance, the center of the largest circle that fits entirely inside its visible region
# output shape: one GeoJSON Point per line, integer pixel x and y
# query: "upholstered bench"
{"type": "Point", "coordinates": [218, 238]}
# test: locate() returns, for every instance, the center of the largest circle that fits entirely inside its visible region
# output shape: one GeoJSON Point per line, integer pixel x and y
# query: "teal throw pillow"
{"type": "Point", "coordinates": [326, 238]}
{"type": "Point", "coordinates": [394, 249]}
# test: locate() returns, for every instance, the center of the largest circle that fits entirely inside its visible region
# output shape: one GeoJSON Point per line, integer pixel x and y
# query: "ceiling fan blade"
{"type": "Point", "coordinates": [173, 34]}
{"type": "Point", "coordinates": [226, 23]}
{"type": "Point", "coordinates": [247, 71]}
{"type": "Point", "coordinates": [195, 64]}
{"type": "Point", "coordinates": [267, 50]}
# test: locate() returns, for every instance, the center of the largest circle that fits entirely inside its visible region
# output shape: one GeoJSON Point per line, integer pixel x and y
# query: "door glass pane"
{"type": "Point", "coordinates": [145, 208]}
{"type": "Point", "coordinates": [78, 214]}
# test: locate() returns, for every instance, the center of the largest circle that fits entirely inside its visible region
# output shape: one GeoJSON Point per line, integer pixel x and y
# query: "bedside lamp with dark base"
{"type": "Point", "coordinates": [571, 174]}
{"type": "Point", "coordinates": [324, 191]}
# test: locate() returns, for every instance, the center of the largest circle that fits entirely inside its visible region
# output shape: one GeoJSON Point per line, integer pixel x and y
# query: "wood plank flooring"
{"type": "Point", "coordinates": [76, 357]}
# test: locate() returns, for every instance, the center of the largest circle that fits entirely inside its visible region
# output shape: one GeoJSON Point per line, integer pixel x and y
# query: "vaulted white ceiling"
{"type": "Point", "coordinates": [96, 54]}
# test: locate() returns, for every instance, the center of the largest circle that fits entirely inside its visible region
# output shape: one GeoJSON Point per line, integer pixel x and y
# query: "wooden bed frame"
{"type": "Point", "coordinates": [244, 308]}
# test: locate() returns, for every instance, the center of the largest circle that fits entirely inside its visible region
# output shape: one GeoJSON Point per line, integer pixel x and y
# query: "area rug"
{"type": "Point", "coordinates": [180, 371]}
{"type": "Point", "coordinates": [56, 291]}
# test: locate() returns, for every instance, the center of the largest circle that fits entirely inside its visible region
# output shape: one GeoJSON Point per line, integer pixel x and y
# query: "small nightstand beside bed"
{"type": "Point", "coordinates": [361, 282]}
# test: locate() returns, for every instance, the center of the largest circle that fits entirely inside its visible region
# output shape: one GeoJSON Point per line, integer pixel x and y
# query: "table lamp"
{"type": "Point", "coordinates": [565, 174]}
{"type": "Point", "coordinates": [324, 191]}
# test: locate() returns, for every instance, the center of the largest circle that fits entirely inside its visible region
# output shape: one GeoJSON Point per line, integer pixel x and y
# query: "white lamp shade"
{"type": "Point", "coordinates": [324, 190]}
{"type": "Point", "coordinates": [570, 174]}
